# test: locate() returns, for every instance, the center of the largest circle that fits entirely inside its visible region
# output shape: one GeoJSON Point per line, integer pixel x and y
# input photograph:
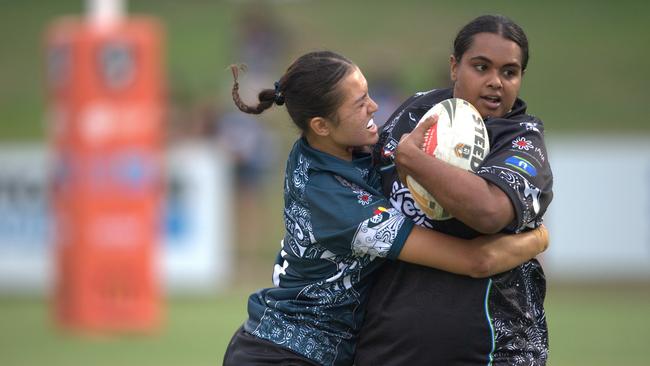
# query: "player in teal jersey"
{"type": "Point", "coordinates": [339, 226]}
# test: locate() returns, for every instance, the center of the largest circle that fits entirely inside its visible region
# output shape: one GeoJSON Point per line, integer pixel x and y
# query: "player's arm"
{"type": "Point", "coordinates": [481, 257]}
{"type": "Point", "coordinates": [471, 199]}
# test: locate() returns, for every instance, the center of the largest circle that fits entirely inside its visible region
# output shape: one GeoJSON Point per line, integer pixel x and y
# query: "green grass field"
{"type": "Point", "coordinates": [589, 326]}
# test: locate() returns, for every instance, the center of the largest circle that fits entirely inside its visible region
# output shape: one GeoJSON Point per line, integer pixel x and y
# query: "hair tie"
{"type": "Point", "coordinates": [278, 98]}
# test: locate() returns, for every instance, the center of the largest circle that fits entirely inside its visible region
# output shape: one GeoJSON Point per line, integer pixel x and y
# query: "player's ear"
{"type": "Point", "coordinates": [453, 67]}
{"type": "Point", "coordinates": [319, 126]}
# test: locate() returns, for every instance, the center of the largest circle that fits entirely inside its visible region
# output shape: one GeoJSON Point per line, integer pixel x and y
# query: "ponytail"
{"type": "Point", "coordinates": [308, 89]}
{"type": "Point", "coordinates": [266, 97]}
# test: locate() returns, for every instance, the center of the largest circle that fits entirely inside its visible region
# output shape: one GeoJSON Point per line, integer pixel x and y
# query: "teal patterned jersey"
{"type": "Point", "coordinates": [339, 230]}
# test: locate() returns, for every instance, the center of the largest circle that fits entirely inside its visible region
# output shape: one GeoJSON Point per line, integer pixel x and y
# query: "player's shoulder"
{"type": "Point", "coordinates": [427, 99]}
{"type": "Point", "coordinates": [517, 121]}
{"type": "Point", "coordinates": [521, 124]}
{"type": "Point", "coordinates": [419, 101]}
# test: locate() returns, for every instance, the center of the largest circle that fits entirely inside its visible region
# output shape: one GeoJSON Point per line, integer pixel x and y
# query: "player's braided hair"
{"type": "Point", "coordinates": [308, 88]}
{"type": "Point", "coordinates": [266, 96]}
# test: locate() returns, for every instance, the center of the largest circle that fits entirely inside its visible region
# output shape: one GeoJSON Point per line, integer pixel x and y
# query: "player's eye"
{"type": "Point", "coordinates": [480, 67]}
{"type": "Point", "coordinates": [364, 102]}
{"type": "Point", "coordinates": [510, 73]}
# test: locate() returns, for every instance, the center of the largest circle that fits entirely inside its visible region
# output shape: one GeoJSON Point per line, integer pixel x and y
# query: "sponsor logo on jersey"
{"type": "Point", "coordinates": [380, 214]}
{"type": "Point", "coordinates": [389, 148]}
{"type": "Point", "coordinates": [522, 165]}
{"type": "Point", "coordinates": [530, 126]}
{"type": "Point", "coordinates": [522, 144]}
{"type": "Point", "coordinates": [364, 198]}
{"type": "Point", "coordinates": [379, 210]}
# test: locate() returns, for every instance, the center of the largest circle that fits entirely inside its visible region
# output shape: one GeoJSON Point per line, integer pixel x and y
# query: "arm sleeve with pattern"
{"type": "Point", "coordinates": [518, 165]}
{"type": "Point", "coordinates": [346, 218]}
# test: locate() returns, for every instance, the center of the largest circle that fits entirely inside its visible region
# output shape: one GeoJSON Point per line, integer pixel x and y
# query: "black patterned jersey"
{"type": "Point", "coordinates": [339, 228]}
{"type": "Point", "coordinates": [423, 316]}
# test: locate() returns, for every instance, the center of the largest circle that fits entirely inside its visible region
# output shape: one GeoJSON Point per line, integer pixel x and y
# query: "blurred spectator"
{"type": "Point", "coordinates": [252, 150]}
{"type": "Point", "coordinates": [260, 41]}
{"type": "Point", "coordinates": [385, 92]}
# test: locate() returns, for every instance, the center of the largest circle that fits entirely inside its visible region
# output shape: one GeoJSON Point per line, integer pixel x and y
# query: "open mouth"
{"type": "Point", "coordinates": [492, 101]}
{"type": "Point", "coordinates": [370, 124]}
{"type": "Point", "coordinates": [492, 98]}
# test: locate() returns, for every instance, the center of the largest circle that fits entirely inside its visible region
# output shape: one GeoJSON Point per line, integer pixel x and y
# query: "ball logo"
{"type": "Point", "coordinates": [462, 151]}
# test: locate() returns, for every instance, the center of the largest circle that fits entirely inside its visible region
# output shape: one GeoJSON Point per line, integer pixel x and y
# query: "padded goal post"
{"type": "Point", "coordinates": [104, 112]}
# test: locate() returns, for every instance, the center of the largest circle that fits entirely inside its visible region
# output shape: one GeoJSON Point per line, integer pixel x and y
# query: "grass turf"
{"type": "Point", "coordinates": [589, 326]}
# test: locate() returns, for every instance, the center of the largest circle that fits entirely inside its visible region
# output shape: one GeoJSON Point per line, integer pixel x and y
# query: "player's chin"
{"type": "Point", "coordinates": [374, 137]}
{"type": "Point", "coordinates": [491, 113]}
{"type": "Point", "coordinates": [488, 110]}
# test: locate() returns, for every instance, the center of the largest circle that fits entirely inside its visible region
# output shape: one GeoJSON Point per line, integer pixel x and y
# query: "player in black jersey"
{"type": "Point", "coordinates": [424, 316]}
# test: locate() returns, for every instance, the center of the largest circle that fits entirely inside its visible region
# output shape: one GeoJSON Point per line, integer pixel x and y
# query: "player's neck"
{"type": "Point", "coordinates": [329, 146]}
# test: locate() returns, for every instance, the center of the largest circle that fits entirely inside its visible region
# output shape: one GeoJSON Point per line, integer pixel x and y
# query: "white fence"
{"type": "Point", "coordinates": [600, 215]}
{"type": "Point", "coordinates": [196, 253]}
{"type": "Point", "coordinates": [599, 219]}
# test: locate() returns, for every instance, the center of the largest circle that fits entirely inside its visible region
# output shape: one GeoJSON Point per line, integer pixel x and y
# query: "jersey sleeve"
{"type": "Point", "coordinates": [349, 219]}
{"type": "Point", "coordinates": [518, 165]}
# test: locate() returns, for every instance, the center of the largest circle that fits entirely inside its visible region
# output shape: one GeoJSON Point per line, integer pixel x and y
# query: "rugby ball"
{"type": "Point", "coordinates": [459, 138]}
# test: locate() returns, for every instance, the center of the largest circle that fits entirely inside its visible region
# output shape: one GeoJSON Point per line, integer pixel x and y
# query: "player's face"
{"type": "Point", "coordinates": [489, 74]}
{"type": "Point", "coordinates": [354, 126]}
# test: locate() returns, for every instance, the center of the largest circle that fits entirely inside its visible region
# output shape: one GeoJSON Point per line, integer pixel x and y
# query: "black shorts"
{"type": "Point", "coordinates": [246, 349]}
